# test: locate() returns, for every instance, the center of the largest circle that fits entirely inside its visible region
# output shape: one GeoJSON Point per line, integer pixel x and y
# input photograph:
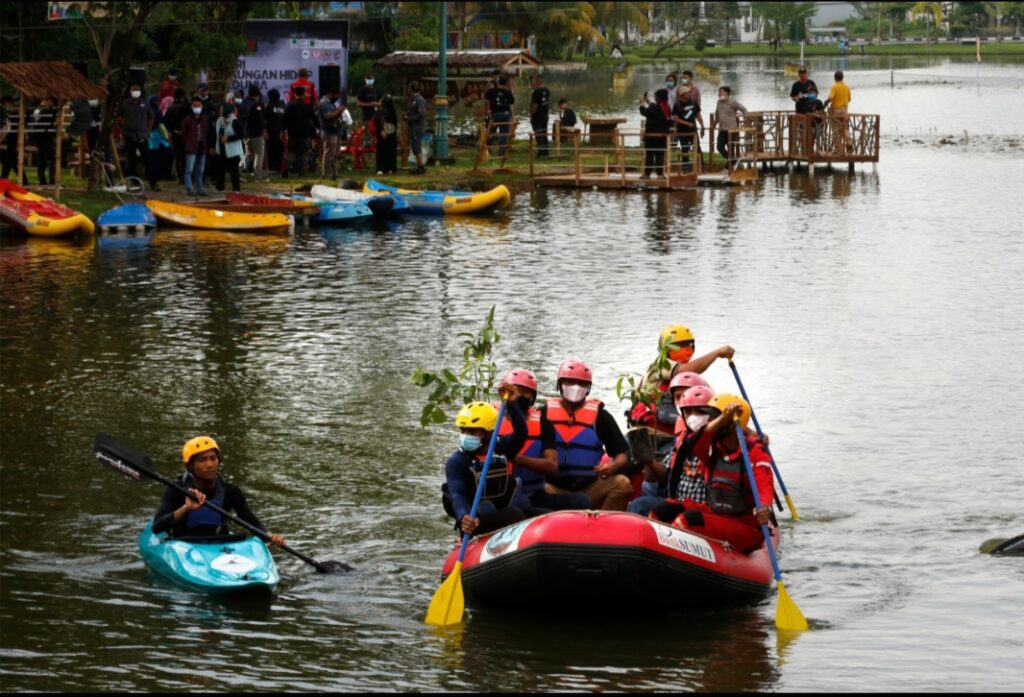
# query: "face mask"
{"type": "Point", "coordinates": [197, 110]}
{"type": "Point", "coordinates": [681, 355]}
{"type": "Point", "coordinates": [697, 421]}
{"type": "Point", "coordinates": [94, 102]}
{"type": "Point", "coordinates": [136, 94]}
{"type": "Point", "coordinates": [575, 393]}
{"type": "Point", "coordinates": [369, 83]}
{"type": "Point", "coordinates": [670, 85]}
{"type": "Point", "coordinates": [469, 443]}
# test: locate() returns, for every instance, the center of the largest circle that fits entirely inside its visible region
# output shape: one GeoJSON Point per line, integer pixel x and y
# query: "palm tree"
{"type": "Point", "coordinates": [928, 9]}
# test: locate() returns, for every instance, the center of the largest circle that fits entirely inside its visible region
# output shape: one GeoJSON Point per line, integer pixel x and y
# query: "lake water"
{"type": "Point", "coordinates": [877, 321]}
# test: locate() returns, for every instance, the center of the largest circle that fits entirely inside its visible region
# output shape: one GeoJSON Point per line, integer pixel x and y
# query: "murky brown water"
{"type": "Point", "coordinates": [877, 321]}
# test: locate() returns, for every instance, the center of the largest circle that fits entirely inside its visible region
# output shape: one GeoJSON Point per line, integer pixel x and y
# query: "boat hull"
{"type": "Point", "coordinates": [445, 202]}
{"type": "Point", "coordinates": [217, 219]}
{"type": "Point", "coordinates": [131, 217]}
{"type": "Point", "coordinates": [568, 560]}
{"type": "Point", "coordinates": [215, 568]}
{"type": "Point", "coordinates": [39, 216]}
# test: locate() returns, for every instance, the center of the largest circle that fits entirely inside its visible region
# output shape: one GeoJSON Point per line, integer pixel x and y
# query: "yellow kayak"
{"type": "Point", "coordinates": [38, 215]}
{"type": "Point", "coordinates": [444, 202]}
{"type": "Point", "coordinates": [217, 219]}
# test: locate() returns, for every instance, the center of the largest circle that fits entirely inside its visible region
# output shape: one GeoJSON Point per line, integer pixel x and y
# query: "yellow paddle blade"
{"type": "Point", "coordinates": [447, 604]}
{"type": "Point", "coordinates": [787, 614]}
{"type": "Point", "coordinates": [792, 508]}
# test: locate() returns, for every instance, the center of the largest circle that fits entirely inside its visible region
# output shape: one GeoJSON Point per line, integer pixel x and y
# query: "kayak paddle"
{"type": "Point", "coordinates": [771, 458]}
{"type": "Point", "coordinates": [135, 465]}
{"type": "Point", "coordinates": [787, 614]}
{"type": "Point", "coordinates": [448, 603]}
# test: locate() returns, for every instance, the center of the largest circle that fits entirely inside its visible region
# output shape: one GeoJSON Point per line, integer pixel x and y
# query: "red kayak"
{"type": "Point", "coordinates": [570, 559]}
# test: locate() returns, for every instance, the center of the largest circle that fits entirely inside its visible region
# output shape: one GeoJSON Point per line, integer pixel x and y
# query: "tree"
{"type": "Point", "coordinates": [682, 17]}
{"type": "Point", "coordinates": [931, 11]}
{"type": "Point", "coordinates": [110, 24]}
{"type": "Point", "coordinates": [615, 15]}
{"type": "Point", "coordinates": [785, 14]}
{"type": "Point", "coordinates": [726, 12]}
{"type": "Point", "coordinates": [553, 23]}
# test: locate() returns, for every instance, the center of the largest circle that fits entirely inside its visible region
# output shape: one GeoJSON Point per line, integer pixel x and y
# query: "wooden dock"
{"type": "Point", "coordinates": [765, 138]}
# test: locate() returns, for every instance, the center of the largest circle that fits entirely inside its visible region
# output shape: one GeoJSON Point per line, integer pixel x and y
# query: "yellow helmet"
{"type": "Point", "coordinates": [682, 338]}
{"type": "Point", "coordinates": [198, 445]}
{"type": "Point", "coordinates": [674, 333]}
{"type": "Point", "coordinates": [477, 415]}
{"type": "Point", "coordinates": [721, 401]}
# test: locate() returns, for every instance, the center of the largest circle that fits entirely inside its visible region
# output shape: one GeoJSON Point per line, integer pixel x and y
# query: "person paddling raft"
{"type": "Point", "coordinates": [728, 512]}
{"type": "Point", "coordinates": [476, 422]}
{"type": "Point", "coordinates": [183, 516]}
{"type": "Point", "coordinates": [539, 456]}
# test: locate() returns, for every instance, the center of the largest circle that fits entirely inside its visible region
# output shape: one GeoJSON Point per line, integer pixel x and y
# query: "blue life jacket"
{"type": "Point", "coordinates": [205, 516]}
{"type": "Point", "coordinates": [579, 448]}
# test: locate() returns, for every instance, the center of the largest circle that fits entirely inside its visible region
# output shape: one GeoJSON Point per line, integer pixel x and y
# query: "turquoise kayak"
{"type": "Point", "coordinates": [228, 565]}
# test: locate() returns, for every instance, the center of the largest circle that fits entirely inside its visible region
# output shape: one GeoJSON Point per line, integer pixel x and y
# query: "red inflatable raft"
{"type": "Point", "coordinates": [567, 559]}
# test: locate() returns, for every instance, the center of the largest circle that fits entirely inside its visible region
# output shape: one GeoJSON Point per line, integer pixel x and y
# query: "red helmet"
{"type": "Point", "coordinates": [575, 369]}
{"type": "Point", "coordinates": [521, 377]}
{"type": "Point", "coordinates": [697, 396]}
{"type": "Point", "coordinates": [687, 379]}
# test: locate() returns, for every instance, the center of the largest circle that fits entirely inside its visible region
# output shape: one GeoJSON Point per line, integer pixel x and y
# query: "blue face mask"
{"type": "Point", "coordinates": [469, 443]}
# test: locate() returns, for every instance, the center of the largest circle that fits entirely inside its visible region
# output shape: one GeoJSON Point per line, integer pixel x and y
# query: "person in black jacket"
{"type": "Point", "coordinates": [184, 517]}
{"type": "Point", "coordinates": [275, 126]}
{"type": "Point", "coordinates": [656, 131]}
{"type": "Point", "coordinates": [300, 125]}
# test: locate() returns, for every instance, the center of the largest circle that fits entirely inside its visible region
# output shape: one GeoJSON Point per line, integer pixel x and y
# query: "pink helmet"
{"type": "Point", "coordinates": [697, 396]}
{"type": "Point", "coordinates": [575, 369]}
{"type": "Point", "coordinates": [685, 380]}
{"type": "Point", "coordinates": [521, 377]}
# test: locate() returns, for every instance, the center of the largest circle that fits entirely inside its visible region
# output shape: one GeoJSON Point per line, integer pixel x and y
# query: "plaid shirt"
{"type": "Point", "coordinates": [692, 488]}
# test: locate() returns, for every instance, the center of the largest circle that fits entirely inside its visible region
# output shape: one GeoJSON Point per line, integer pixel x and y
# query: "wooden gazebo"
{"type": "Point", "coordinates": [42, 79]}
{"type": "Point", "coordinates": [473, 67]}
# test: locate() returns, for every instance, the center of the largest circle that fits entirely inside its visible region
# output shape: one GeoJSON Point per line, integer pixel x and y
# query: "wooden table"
{"type": "Point", "coordinates": [603, 130]}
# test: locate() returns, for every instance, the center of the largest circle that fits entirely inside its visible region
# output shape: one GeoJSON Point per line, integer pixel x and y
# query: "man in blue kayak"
{"type": "Point", "coordinates": [183, 516]}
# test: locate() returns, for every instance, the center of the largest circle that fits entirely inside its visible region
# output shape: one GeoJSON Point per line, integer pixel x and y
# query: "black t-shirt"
{"type": "Point", "coordinates": [687, 111]}
{"type": "Point", "coordinates": [299, 120]}
{"type": "Point", "coordinates": [568, 118]}
{"type": "Point", "coordinates": [234, 502]}
{"type": "Point", "coordinates": [500, 99]}
{"type": "Point", "coordinates": [799, 89]}
{"type": "Point", "coordinates": [275, 116]}
{"type": "Point", "coordinates": [368, 93]}
{"type": "Point", "coordinates": [542, 98]}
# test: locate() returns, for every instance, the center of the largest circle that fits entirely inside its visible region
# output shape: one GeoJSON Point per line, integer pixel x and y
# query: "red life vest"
{"type": "Point", "coordinates": [579, 448]}
{"type": "Point", "coordinates": [728, 488]}
{"type": "Point", "coordinates": [532, 481]}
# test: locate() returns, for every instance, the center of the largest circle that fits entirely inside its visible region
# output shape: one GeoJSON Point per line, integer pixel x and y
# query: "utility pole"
{"type": "Point", "coordinates": [441, 100]}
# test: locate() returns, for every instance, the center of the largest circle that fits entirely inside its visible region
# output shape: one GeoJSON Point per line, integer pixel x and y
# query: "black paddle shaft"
{"type": "Point", "coordinates": [132, 463]}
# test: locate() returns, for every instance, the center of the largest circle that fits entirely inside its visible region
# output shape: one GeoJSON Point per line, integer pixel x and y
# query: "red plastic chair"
{"type": "Point", "coordinates": [356, 150]}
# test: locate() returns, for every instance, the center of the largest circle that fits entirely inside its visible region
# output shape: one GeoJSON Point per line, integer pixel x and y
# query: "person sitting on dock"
{"type": "Point", "coordinates": [726, 119]}
{"type": "Point", "coordinates": [183, 516]}
{"type": "Point", "coordinates": [680, 476]}
{"type": "Point", "coordinates": [584, 431]}
{"type": "Point", "coordinates": [686, 115]}
{"type": "Point", "coordinates": [539, 456]}
{"type": "Point", "coordinates": [728, 512]}
{"type": "Point", "coordinates": [656, 132]}
{"type": "Point", "coordinates": [566, 117]}
{"type": "Point", "coordinates": [476, 422]}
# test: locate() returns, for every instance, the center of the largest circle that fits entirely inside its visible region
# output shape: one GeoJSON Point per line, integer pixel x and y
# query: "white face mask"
{"type": "Point", "coordinates": [197, 110]}
{"type": "Point", "coordinates": [697, 421]}
{"type": "Point", "coordinates": [575, 393]}
{"type": "Point", "coordinates": [136, 94]}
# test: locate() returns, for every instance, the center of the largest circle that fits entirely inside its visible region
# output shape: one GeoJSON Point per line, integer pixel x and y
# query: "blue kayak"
{"type": "Point", "coordinates": [131, 217]}
{"type": "Point", "coordinates": [337, 211]}
{"type": "Point", "coordinates": [221, 565]}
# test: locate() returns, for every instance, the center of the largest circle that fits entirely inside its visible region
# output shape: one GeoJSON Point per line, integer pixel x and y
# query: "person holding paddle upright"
{"type": "Point", "coordinates": [183, 516]}
{"type": "Point", "coordinates": [728, 511]}
{"type": "Point", "coordinates": [501, 490]}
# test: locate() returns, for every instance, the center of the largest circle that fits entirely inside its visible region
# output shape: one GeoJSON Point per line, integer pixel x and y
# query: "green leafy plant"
{"type": "Point", "coordinates": [644, 388]}
{"type": "Point", "coordinates": [474, 382]}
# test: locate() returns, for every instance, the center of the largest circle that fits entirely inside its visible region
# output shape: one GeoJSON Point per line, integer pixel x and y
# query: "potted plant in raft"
{"type": "Point", "coordinates": [643, 389]}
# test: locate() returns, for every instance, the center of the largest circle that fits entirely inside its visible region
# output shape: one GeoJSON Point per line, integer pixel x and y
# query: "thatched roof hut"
{"type": "Point", "coordinates": [42, 79]}
{"type": "Point", "coordinates": [50, 79]}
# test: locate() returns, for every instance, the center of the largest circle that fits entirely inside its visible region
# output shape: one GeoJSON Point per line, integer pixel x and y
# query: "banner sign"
{"type": "Point", "coordinates": [279, 47]}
